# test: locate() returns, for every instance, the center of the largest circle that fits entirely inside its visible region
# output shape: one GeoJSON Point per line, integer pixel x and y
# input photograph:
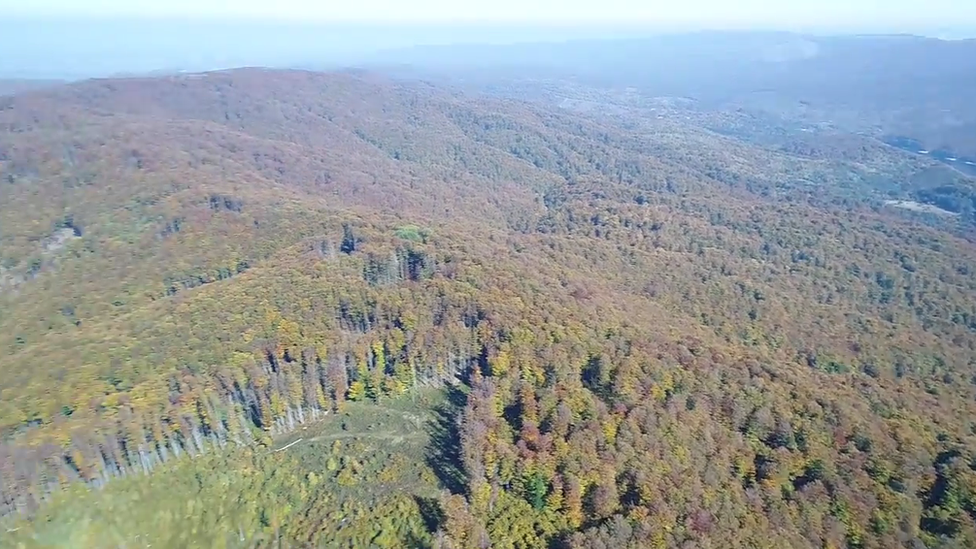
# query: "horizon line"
{"type": "Point", "coordinates": [703, 24]}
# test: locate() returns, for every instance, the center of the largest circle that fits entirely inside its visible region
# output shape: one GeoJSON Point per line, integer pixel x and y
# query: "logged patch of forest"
{"type": "Point", "coordinates": [353, 478]}
{"type": "Point", "coordinates": [663, 335]}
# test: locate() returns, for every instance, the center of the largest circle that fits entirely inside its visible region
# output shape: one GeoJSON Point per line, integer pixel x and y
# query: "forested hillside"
{"type": "Point", "coordinates": [655, 330]}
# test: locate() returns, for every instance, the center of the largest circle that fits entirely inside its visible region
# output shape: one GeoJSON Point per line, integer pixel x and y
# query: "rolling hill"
{"type": "Point", "coordinates": [655, 329]}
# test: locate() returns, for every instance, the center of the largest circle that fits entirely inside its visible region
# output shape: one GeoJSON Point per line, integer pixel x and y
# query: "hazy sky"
{"type": "Point", "coordinates": [104, 37]}
{"type": "Point", "coordinates": [785, 13]}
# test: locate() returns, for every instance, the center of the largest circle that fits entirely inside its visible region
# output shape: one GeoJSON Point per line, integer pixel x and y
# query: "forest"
{"type": "Point", "coordinates": [257, 308]}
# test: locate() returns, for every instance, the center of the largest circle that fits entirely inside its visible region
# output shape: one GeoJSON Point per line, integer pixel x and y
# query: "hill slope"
{"type": "Point", "coordinates": [668, 335]}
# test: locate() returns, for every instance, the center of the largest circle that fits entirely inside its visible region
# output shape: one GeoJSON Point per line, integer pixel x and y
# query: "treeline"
{"type": "Point", "coordinates": [391, 323]}
{"type": "Point", "coordinates": [337, 483]}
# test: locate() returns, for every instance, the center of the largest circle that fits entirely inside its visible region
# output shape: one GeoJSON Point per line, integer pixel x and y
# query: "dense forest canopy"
{"type": "Point", "coordinates": [604, 321]}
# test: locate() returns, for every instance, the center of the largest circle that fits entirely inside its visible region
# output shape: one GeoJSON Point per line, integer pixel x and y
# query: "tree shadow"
{"type": "Point", "coordinates": [443, 452]}
{"type": "Point", "coordinates": [414, 542]}
{"type": "Point", "coordinates": [431, 513]}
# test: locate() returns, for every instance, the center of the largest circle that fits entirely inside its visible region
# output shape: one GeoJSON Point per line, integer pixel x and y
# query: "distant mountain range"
{"type": "Point", "coordinates": [898, 85]}
{"type": "Point", "coordinates": [10, 87]}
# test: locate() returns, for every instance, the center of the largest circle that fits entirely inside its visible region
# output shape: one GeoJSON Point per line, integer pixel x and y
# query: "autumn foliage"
{"type": "Point", "coordinates": [667, 337]}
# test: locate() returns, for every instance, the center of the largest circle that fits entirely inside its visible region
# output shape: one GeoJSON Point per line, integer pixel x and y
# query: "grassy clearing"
{"type": "Point", "coordinates": [358, 478]}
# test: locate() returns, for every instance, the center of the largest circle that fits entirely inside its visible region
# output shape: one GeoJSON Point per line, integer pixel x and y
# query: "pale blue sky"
{"type": "Point", "coordinates": [725, 13]}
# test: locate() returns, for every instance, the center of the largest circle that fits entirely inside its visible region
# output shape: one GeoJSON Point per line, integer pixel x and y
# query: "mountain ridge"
{"type": "Point", "coordinates": [251, 249]}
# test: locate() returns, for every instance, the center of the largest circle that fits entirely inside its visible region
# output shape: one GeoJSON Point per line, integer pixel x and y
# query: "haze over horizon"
{"type": "Point", "coordinates": [63, 39]}
{"type": "Point", "coordinates": [894, 15]}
